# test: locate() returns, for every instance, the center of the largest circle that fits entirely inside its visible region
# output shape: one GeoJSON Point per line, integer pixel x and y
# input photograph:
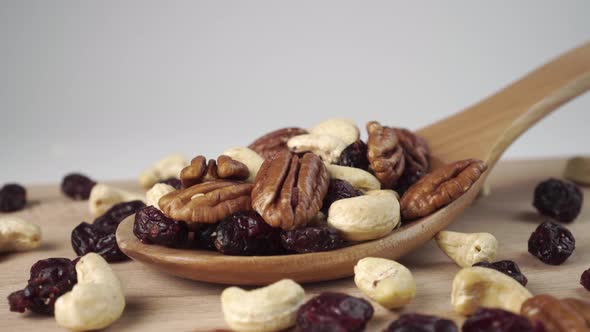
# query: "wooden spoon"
{"type": "Point", "coordinates": [482, 131]}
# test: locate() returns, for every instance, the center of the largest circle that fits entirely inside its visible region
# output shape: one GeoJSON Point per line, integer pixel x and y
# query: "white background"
{"type": "Point", "coordinates": [108, 87]}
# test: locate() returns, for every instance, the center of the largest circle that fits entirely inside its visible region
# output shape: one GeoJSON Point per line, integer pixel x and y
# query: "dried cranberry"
{"type": "Point", "coordinates": [153, 227]}
{"type": "Point", "coordinates": [205, 237]}
{"type": "Point", "coordinates": [338, 189]}
{"type": "Point", "coordinates": [50, 278]}
{"type": "Point", "coordinates": [93, 238]}
{"type": "Point", "coordinates": [77, 186]}
{"type": "Point", "coordinates": [111, 219]}
{"type": "Point", "coordinates": [311, 239]}
{"type": "Point", "coordinates": [507, 267]}
{"type": "Point", "coordinates": [334, 312]}
{"type": "Point", "coordinates": [13, 197]}
{"type": "Point", "coordinates": [552, 243]}
{"type": "Point", "coordinates": [498, 320]}
{"type": "Point", "coordinates": [421, 323]}
{"type": "Point", "coordinates": [557, 199]}
{"type": "Point", "coordinates": [174, 182]}
{"type": "Point", "coordinates": [354, 155]}
{"type": "Point", "coordinates": [585, 279]}
{"type": "Point", "coordinates": [246, 233]}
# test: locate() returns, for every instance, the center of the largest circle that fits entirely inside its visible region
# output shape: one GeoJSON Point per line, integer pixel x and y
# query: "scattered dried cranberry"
{"type": "Point", "coordinates": [354, 155]}
{"type": "Point", "coordinates": [585, 279]}
{"type": "Point", "coordinates": [246, 233]}
{"type": "Point", "coordinates": [111, 219]}
{"type": "Point", "coordinates": [13, 197]}
{"type": "Point", "coordinates": [205, 237]}
{"type": "Point", "coordinates": [421, 323]}
{"type": "Point", "coordinates": [77, 186]}
{"type": "Point", "coordinates": [507, 267]}
{"type": "Point", "coordinates": [334, 312]}
{"type": "Point", "coordinates": [338, 189]}
{"type": "Point", "coordinates": [174, 182]}
{"type": "Point", "coordinates": [311, 239]}
{"type": "Point", "coordinates": [557, 199]}
{"type": "Point", "coordinates": [153, 227]}
{"type": "Point", "coordinates": [50, 278]}
{"type": "Point", "coordinates": [498, 320]}
{"type": "Point", "coordinates": [93, 238]}
{"type": "Point", "coordinates": [552, 243]}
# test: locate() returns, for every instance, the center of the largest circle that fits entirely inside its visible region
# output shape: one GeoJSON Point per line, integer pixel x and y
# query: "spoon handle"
{"type": "Point", "coordinates": [487, 128]}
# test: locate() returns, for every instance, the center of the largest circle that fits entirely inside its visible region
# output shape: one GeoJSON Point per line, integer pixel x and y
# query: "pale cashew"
{"type": "Point", "coordinates": [475, 287]}
{"type": "Point", "coordinates": [96, 301]}
{"type": "Point", "coordinates": [103, 197]}
{"type": "Point", "coordinates": [387, 282]}
{"type": "Point", "coordinates": [248, 157]}
{"type": "Point", "coordinates": [152, 196]}
{"type": "Point", "coordinates": [344, 129]}
{"type": "Point", "coordinates": [467, 249]}
{"type": "Point", "coordinates": [165, 168]}
{"type": "Point", "coordinates": [17, 234]}
{"type": "Point", "coordinates": [327, 147]}
{"type": "Point", "coordinates": [366, 217]}
{"type": "Point", "coordinates": [578, 170]}
{"type": "Point", "coordinates": [358, 178]}
{"type": "Point", "coordinates": [267, 309]}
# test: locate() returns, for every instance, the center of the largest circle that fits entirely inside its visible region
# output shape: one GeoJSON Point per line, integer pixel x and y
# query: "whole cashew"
{"type": "Point", "coordinates": [248, 157]}
{"type": "Point", "coordinates": [103, 197]}
{"type": "Point", "coordinates": [467, 249]}
{"type": "Point", "coordinates": [344, 129]}
{"type": "Point", "coordinates": [358, 178]}
{"type": "Point", "coordinates": [165, 168]}
{"type": "Point", "coordinates": [96, 301]}
{"type": "Point", "coordinates": [327, 147]}
{"type": "Point", "coordinates": [17, 234]}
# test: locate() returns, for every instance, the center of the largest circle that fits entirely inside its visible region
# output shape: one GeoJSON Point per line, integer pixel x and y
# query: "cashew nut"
{"type": "Point", "coordinates": [479, 286]}
{"type": "Point", "coordinates": [327, 147]}
{"type": "Point", "coordinates": [103, 197]}
{"type": "Point", "coordinates": [96, 301]}
{"type": "Point", "coordinates": [248, 157]}
{"type": "Point", "coordinates": [152, 196]}
{"type": "Point", "coordinates": [267, 309]}
{"type": "Point", "coordinates": [467, 249]}
{"type": "Point", "coordinates": [578, 170]}
{"type": "Point", "coordinates": [167, 167]}
{"type": "Point", "coordinates": [366, 217]}
{"type": "Point", "coordinates": [387, 282]}
{"type": "Point", "coordinates": [17, 234]}
{"type": "Point", "coordinates": [357, 177]}
{"type": "Point", "coordinates": [344, 129]}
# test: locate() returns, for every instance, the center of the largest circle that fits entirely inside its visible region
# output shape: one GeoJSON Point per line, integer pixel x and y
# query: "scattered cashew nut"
{"type": "Point", "coordinates": [479, 286]}
{"type": "Point", "coordinates": [96, 301]}
{"type": "Point", "coordinates": [167, 167]}
{"type": "Point", "coordinates": [358, 178]}
{"type": "Point", "coordinates": [103, 197]}
{"type": "Point", "coordinates": [366, 217]}
{"type": "Point", "coordinates": [344, 129]}
{"type": "Point", "coordinates": [467, 249]}
{"type": "Point", "coordinates": [327, 147]}
{"type": "Point", "coordinates": [267, 309]}
{"type": "Point", "coordinates": [387, 282]}
{"type": "Point", "coordinates": [578, 170]}
{"type": "Point", "coordinates": [17, 234]}
{"type": "Point", "coordinates": [248, 157]}
{"type": "Point", "coordinates": [152, 196]}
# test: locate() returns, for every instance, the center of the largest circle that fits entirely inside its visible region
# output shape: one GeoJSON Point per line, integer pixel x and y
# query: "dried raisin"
{"type": "Point", "coordinates": [496, 320]}
{"type": "Point", "coordinates": [77, 186]}
{"type": "Point", "coordinates": [153, 227]}
{"type": "Point", "coordinates": [338, 189]}
{"type": "Point", "coordinates": [13, 197]}
{"type": "Point", "coordinates": [311, 239]}
{"type": "Point", "coordinates": [552, 243]}
{"type": "Point", "coordinates": [334, 312]}
{"type": "Point", "coordinates": [421, 323]}
{"type": "Point", "coordinates": [88, 238]}
{"type": "Point", "coordinates": [557, 199]}
{"type": "Point", "coordinates": [507, 267]}
{"type": "Point", "coordinates": [354, 155]}
{"type": "Point", "coordinates": [246, 233]}
{"type": "Point", "coordinates": [111, 219]}
{"type": "Point", "coordinates": [585, 279]}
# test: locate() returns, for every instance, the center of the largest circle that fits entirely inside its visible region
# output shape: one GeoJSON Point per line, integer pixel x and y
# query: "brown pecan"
{"type": "Point", "coordinates": [201, 171]}
{"type": "Point", "coordinates": [557, 315]}
{"type": "Point", "coordinates": [385, 154]}
{"type": "Point", "coordinates": [416, 151]}
{"type": "Point", "coordinates": [440, 187]}
{"type": "Point", "coordinates": [207, 202]}
{"type": "Point", "coordinates": [274, 142]}
{"type": "Point", "coordinates": [289, 190]}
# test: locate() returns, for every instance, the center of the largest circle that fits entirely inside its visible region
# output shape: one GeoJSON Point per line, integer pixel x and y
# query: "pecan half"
{"type": "Point", "coordinates": [207, 202]}
{"type": "Point", "coordinates": [557, 315]}
{"type": "Point", "coordinates": [289, 190]}
{"type": "Point", "coordinates": [385, 154]}
{"type": "Point", "coordinates": [416, 151]}
{"type": "Point", "coordinates": [440, 187]}
{"type": "Point", "coordinates": [274, 142]}
{"type": "Point", "coordinates": [201, 171]}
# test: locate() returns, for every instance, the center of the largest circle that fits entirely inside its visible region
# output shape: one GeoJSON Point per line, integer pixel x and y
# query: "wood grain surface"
{"type": "Point", "coordinates": [158, 302]}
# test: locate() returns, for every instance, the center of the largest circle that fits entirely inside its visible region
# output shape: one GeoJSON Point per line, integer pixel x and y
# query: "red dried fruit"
{"type": "Point", "coordinates": [13, 197]}
{"type": "Point", "coordinates": [585, 279]}
{"type": "Point", "coordinates": [174, 182]}
{"type": "Point", "coordinates": [408, 178]}
{"type": "Point", "coordinates": [498, 320]}
{"type": "Point", "coordinates": [338, 189]}
{"type": "Point", "coordinates": [552, 243]}
{"type": "Point", "coordinates": [88, 238]}
{"type": "Point", "coordinates": [77, 186]}
{"type": "Point", "coordinates": [153, 227]}
{"type": "Point", "coordinates": [50, 278]}
{"type": "Point", "coordinates": [421, 323]}
{"type": "Point", "coordinates": [507, 267]}
{"type": "Point", "coordinates": [557, 199]}
{"type": "Point", "coordinates": [205, 237]}
{"type": "Point", "coordinates": [354, 155]}
{"type": "Point", "coordinates": [334, 312]}
{"type": "Point", "coordinates": [246, 233]}
{"type": "Point", "coordinates": [311, 239]}
{"type": "Point", "coordinates": [111, 219]}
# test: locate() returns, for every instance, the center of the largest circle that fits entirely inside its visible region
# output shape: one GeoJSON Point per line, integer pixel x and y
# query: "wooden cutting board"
{"type": "Point", "coordinates": [158, 302]}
